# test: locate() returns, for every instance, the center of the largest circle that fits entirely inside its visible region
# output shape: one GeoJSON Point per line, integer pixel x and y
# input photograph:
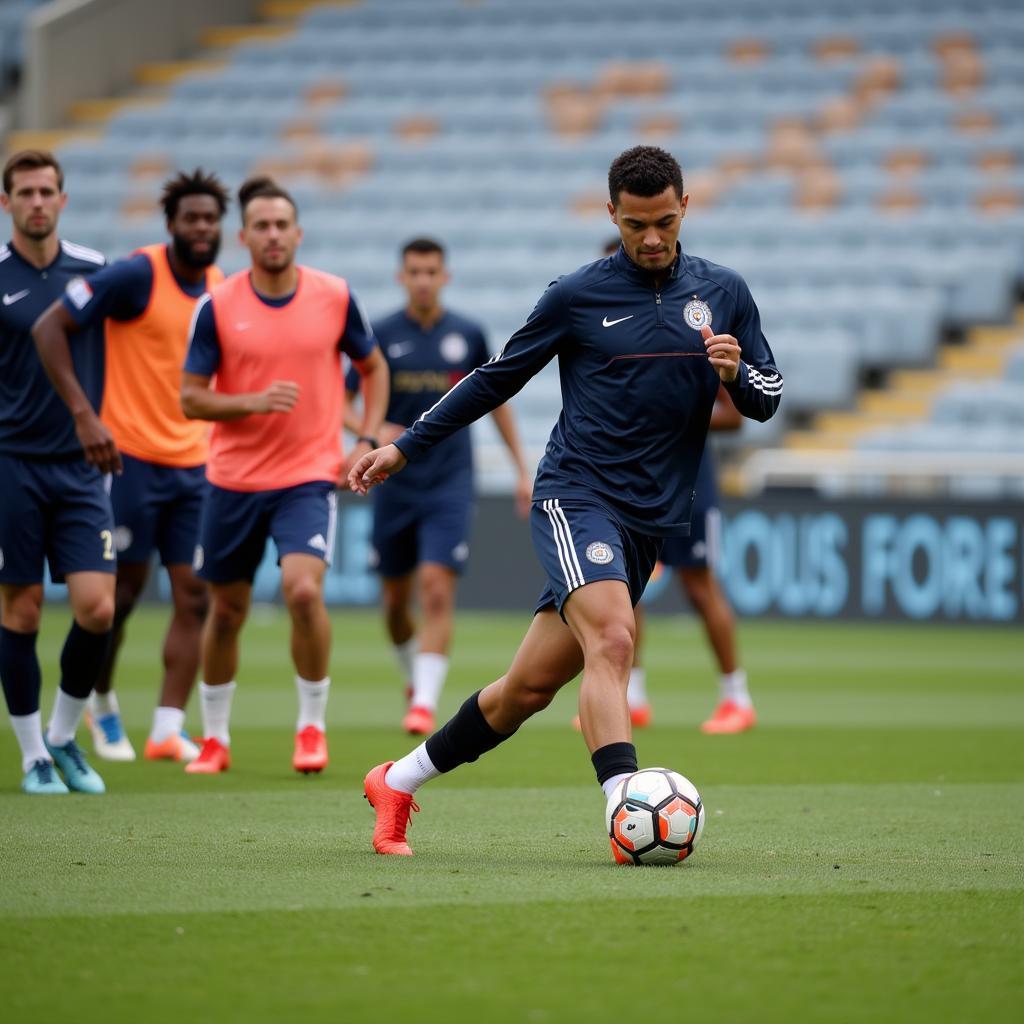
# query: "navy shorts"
{"type": "Point", "coordinates": [53, 511]}
{"type": "Point", "coordinates": [701, 548]}
{"type": "Point", "coordinates": [408, 532]}
{"type": "Point", "coordinates": [235, 525]}
{"type": "Point", "coordinates": [157, 508]}
{"type": "Point", "coordinates": [579, 542]}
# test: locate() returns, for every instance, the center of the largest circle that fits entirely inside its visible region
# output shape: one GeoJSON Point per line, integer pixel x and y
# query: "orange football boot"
{"type": "Point", "coordinates": [175, 748]}
{"type": "Point", "coordinates": [213, 759]}
{"type": "Point", "coordinates": [729, 717]}
{"type": "Point", "coordinates": [394, 812]}
{"type": "Point", "coordinates": [310, 750]}
{"type": "Point", "coordinates": [419, 721]}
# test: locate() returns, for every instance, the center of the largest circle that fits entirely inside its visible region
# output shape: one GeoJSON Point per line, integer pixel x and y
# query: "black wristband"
{"type": "Point", "coordinates": [371, 441]}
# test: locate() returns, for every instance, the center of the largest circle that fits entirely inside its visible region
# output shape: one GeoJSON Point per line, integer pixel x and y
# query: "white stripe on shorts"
{"type": "Point", "coordinates": [332, 519]}
{"type": "Point", "coordinates": [560, 545]}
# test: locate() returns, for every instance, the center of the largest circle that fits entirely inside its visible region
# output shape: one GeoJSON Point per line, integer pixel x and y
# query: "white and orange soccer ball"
{"type": "Point", "coordinates": [655, 816]}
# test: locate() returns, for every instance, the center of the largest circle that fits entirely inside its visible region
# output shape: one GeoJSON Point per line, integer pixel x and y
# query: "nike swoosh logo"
{"type": "Point", "coordinates": [9, 300]}
{"type": "Point", "coordinates": [611, 323]}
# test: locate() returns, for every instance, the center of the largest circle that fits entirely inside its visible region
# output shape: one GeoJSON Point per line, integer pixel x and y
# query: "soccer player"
{"type": "Point", "coordinates": [640, 367]}
{"type": "Point", "coordinates": [149, 299]}
{"type": "Point", "coordinates": [53, 455]}
{"type": "Point", "coordinates": [421, 522]}
{"type": "Point", "coordinates": [264, 364]}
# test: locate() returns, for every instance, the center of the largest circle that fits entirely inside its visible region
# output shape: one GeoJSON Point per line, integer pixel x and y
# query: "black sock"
{"type": "Point", "coordinates": [614, 759]}
{"type": "Point", "coordinates": [19, 671]}
{"type": "Point", "coordinates": [463, 738]}
{"type": "Point", "coordinates": [82, 660]}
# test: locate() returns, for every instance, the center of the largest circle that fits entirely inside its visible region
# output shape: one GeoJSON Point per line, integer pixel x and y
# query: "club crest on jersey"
{"type": "Point", "coordinates": [454, 348]}
{"type": "Point", "coordinates": [599, 553]}
{"type": "Point", "coordinates": [697, 313]}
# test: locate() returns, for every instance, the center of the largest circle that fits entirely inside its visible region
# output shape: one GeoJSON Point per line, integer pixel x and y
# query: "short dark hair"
{"type": "Point", "coordinates": [422, 245]}
{"type": "Point", "coordinates": [31, 160]}
{"type": "Point", "coordinates": [198, 183]}
{"type": "Point", "coordinates": [644, 171]}
{"type": "Point", "coordinates": [262, 187]}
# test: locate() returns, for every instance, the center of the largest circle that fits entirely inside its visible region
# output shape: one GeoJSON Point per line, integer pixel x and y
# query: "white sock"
{"type": "Point", "coordinates": [215, 702]}
{"type": "Point", "coordinates": [733, 686]}
{"type": "Point", "coordinates": [404, 653]}
{"type": "Point", "coordinates": [410, 772]}
{"type": "Point", "coordinates": [67, 713]}
{"type": "Point", "coordinates": [167, 722]}
{"type": "Point", "coordinates": [428, 675]}
{"type": "Point", "coordinates": [312, 703]}
{"type": "Point", "coordinates": [29, 730]}
{"type": "Point", "coordinates": [102, 704]}
{"type": "Point", "coordinates": [609, 784]}
{"type": "Point", "coordinates": [636, 692]}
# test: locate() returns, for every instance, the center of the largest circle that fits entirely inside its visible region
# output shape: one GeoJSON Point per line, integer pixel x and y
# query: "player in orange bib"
{"type": "Point", "coordinates": [265, 365]}
{"type": "Point", "coordinates": [147, 301]}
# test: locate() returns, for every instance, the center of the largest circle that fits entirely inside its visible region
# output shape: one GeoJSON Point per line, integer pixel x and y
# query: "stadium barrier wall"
{"type": "Point", "coordinates": [90, 49]}
{"type": "Point", "coordinates": [786, 556]}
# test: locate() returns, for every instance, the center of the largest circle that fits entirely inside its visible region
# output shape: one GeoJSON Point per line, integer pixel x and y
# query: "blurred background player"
{"type": "Point", "coordinates": [148, 300]}
{"type": "Point", "coordinates": [55, 506]}
{"type": "Point", "coordinates": [422, 521]}
{"type": "Point", "coordinates": [273, 336]}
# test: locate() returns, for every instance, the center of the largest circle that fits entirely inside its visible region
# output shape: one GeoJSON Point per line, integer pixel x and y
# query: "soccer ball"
{"type": "Point", "coordinates": [655, 816]}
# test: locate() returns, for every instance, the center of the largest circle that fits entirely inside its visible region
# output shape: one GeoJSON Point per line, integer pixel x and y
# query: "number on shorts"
{"type": "Point", "coordinates": [108, 545]}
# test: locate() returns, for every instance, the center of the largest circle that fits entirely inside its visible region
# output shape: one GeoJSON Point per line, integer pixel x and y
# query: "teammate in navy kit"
{"type": "Point", "coordinates": [148, 301]}
{"type": "Point", "coordinates": [640, 367]}
{"type": "Point", "coordinates": [421, 522]}
{"type": "Point", "coordinates": [55, 507]}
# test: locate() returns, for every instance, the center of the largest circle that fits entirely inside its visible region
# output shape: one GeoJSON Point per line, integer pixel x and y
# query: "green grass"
{"type": "Point", "coordinates": [863, 858]}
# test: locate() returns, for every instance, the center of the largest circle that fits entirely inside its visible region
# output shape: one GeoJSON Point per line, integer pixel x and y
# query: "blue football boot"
{"type": "Point", "coordinates": [75, 769]}
{"type": "Point", "coordinates": [42, 779]}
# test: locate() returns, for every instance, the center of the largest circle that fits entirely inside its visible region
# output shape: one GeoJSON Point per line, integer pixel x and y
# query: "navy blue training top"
{"type": "Point", "coordinates": [122, 291]}
{"type": "Point", "coordinates": [34, 421]}
{"type": "Point", "coordinates": [425, 364]}
{"type": "Point", "coordinates": [637, 386]}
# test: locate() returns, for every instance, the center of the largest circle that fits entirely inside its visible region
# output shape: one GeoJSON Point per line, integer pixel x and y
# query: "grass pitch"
{"type": "Point", "coordinates": [863, 858]}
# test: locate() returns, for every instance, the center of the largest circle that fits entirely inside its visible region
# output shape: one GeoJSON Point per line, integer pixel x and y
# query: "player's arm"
{"type": "Point", "coordinates": [201, 402]}
{"type": "Point", "coordinates": [50, 334]}
{"type": "Point", "coordinates": [724, 414]}
{"type": "Point", "coordinates": [525, 354]}
{"type": "Point", "coordinates": [375, 387]}
{"type": "Point", "coordinates": [506, 424]}
{"type": "Point", "coordinates": [745, 363]}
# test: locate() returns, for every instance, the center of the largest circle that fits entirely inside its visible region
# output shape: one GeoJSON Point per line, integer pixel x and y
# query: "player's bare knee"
{"type": "Point", "coordinates": [303, 597]}
{"type": "Point", "coordinates": [226, 616]}
{"type": "Point", "coordinates": [96, 613]}
{"type": "Point", "coordinates": [23, 609]}
{"type": "Point", "coordinates": [613, 643]}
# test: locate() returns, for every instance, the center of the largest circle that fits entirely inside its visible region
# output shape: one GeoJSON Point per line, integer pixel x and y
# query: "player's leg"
{"type": "Point", "coordinates": [393, 555]}
{"type": "Point", "coordinates": [179, 513]}
{"type": "Point", "coordinates": [20, 675]}
{"type": "Point", "coordinates": [103, 714]}
{"type": "Point", "coordinates": [548, 658]}
{"type": "Point", "coordinates": [91, 596]}
{"type": "Point", "coordinates": [735, 710]}
{"type": "Point", "coordinates": [80, 550]}
{"type": "Point", "coordinates": [168, 740]}
{"type": "Point", "coordinates": [303, 524]}
{"type": "Point", "coordinates": [436, 595]}
{"type": "Point", "coordinates": [636, 691]}
{"type": "Point", "coordinates": [232, 537]}
{"type": "Point", "coordinates": [442, 544]}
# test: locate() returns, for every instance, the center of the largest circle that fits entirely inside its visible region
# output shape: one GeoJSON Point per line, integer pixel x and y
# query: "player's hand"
{"type": "Point", "coordinates": [97, 443]}
{"type": "Point", "coordinates": [281, 396]}
{"type": "Point", "coordinates": [375, 467]}
{"type": "Point", "coordinates": [723, 353]}
{"type": "Point", "coordinates": [524, 495]}
{"type": "Point", "coordinates": [359, 449]}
